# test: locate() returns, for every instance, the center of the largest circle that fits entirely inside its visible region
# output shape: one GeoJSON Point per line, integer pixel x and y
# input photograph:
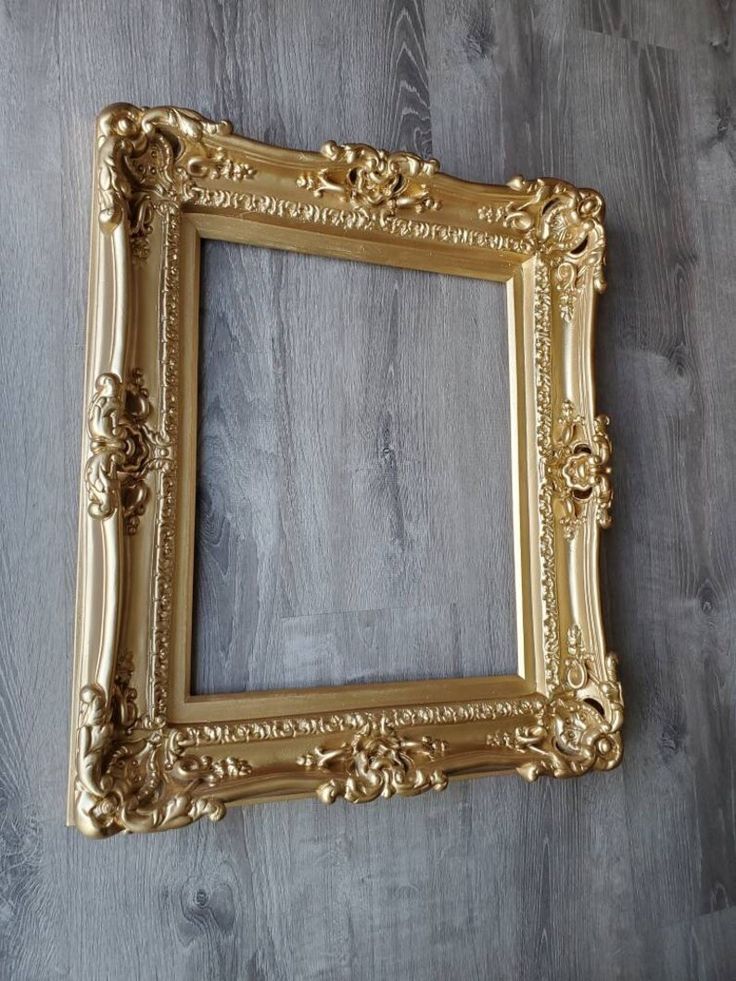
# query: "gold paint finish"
{"type": "Point", "coordinates": [146, 754]}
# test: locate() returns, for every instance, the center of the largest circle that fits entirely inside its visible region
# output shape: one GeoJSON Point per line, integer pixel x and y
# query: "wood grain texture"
{"type": "Point", "coordinates": [627, 875]}
{"type": "Point", "coordinates": [354, 475]}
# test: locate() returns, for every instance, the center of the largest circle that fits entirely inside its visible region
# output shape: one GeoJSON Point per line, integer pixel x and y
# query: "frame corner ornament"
{"type": "Point", "coordinates": [149, 158]}
{"type": "Point", "coordinates": [566, 222]}
{"type": "Point", "coordinates": [133, 774]}
{"type": "Point", "coordinates": [579, 728]}
{"type": "Point", "coordinates": [375, 180]}
{"type": "Point", "coordinates": [123, 449]}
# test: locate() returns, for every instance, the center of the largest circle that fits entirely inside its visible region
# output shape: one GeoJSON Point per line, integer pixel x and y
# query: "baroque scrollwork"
{"type": "Point", "coordinates": [375, 180]}
{"type": "Point", "coordinates": [378, 762]}
{"type": "Point", "coordinates": [133, 774]}
{"type": "Point", "coordinates": [150, 156]}
{"type": "Point", "coordinates": [138, 771]}
{"type": "Point", "coordinates": [566, 223]}
{"type": "Point", "coordinates": [409, 716]}
{"type": "Point", "coordinates": [123, 449]}
{"type": "Point", "coordinates": [579, 728]}
{"type": "Point", "coordinates": [579, 469]}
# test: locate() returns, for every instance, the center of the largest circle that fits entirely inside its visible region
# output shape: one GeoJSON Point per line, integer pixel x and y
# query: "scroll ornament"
{"type": "Point", "coordinates": [148, 157]}
{"type": "Point", "coordinates": [375, 180]}
{"type": "Point", "coordinates": [579, 469]}
{"type": "Point", "coordinates": [123, 449]}
{"type": "Point", "coordinates": [566, 223]}
{"type": "Point", "coordinates": [133, 774]}
{"type": "Point", "coordinates": [378, 762]}
{"type": "Point", "coordinates": [579, 728]}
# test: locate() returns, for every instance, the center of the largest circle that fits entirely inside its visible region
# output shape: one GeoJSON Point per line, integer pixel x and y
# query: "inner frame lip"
{"type": "Point", "coordinates": [517, 273]}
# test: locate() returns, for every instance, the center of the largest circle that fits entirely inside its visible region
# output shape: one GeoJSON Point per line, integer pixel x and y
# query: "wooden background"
{"type": "Point", "coordinates": [625, 875]}
{"type": "Point", "coordinates": [354, 496]}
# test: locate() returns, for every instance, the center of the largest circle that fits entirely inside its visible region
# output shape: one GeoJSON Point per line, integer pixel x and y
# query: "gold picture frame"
{"type": "Point", "coordinates": [147, 755]}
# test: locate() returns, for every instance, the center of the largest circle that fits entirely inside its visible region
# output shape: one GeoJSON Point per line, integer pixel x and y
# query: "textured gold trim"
{"type": "Point", "coordinates": [146, 156]}
{"type": "Point", "coordinates": [406, 717]}
{"type": "Point", "coordinates": [567, 224]}
{"type": "Point", "coordinates": [166, 176]}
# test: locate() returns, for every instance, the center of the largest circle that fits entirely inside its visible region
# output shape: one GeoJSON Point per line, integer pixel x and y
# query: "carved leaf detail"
{"type": "Point", "coordinates": [374, 179]}
{"type": "Point", "coordinates": [149, 156]}
{"type": "Point", "coordinates": [377, 762]}
{"type": "Point", "coordinates": [567, 224]}
{"type": "Point", "coordinates": [579, 468]}
{"type": "Point", "coordinates": [123, 449]}
{"type": "Point", "coordinates": [133, 775]}
{"type": "Point", "coordinates": [579, 729]}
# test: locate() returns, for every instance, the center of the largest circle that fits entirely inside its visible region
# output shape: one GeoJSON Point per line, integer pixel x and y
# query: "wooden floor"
{"type": "Point", "coordinates": [354, 496]}
{"type": "Point", "coordinates": [627, 875]}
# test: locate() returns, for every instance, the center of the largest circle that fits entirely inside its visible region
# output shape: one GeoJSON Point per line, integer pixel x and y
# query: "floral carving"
{"type": "Point", "coordinates": [374, 179]}
{"type": "Point", "coordinates": [377, 762]}
{"type": "Point", "coordinates": [579, 728]}
{"type": "Point", "coordinates": [147, 156]}
{"type": "Point", "coordinates": [566, 222]}
{"type": "Point", "coordinates": [123, 449]}
{"type": "Point", "coordinates": [133, 774]}
{"type": "Point", "coordinates": [580, 470]}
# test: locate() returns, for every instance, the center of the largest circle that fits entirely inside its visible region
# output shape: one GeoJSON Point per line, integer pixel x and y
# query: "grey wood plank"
{"type": "Point", "coordinates": [35, 636]}
{"type": "Point", "coordinates": [674, 24]}
{"type": "Point", "coordinates": [665, 362]}
{"type": "Point", "coordinates": [711, 73]}
{"type": "Point", "coordinates": [354, 462]}
{"type": "Point", "coordinates": [35, 580]}
{"type": "Point", "coordinates": [703, 949]}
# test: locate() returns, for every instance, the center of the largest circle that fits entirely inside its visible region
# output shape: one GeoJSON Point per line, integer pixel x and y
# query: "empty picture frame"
{"type": "Point", "coordinates": [146, 754]}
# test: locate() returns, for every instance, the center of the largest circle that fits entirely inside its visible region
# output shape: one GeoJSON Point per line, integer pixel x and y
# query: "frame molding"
{"type": "Point", "coordinates": [146, 755]}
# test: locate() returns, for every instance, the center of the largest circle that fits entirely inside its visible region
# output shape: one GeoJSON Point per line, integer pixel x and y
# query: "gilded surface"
{"type": "Point", "coordinates": [378, 762]}
{"type": "Point", "coordinates": [146, 156]}
{"type": "Point", "coordinates": [566, 225]}
{"type": "Point", "coordinates": [374, 179]}
{"type": "Point", "coordinates": [580, 469]}
{"type": "Point", "coordinates": [133, 768]}
{"type": "Point", "coordinates": [132, 774]}
{"type": "Point", "coordinates": [543, 400]}
{"type": "Point", "coordinates": [579, 728]}
{"type": "Point", "coordinates": [123, 449]}
{"type": "Point", "coordinates": [406, 717]}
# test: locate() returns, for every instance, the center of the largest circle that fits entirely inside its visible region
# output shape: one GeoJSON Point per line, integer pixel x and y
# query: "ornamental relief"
{"type": "Point", "coordinates": [378, 762]}
{"type": "Point", "coordinates": [149, 159]}
{"type": "Point", "coordinates": [407, 717]}
{"type": "Point", "coordinates": [579, 728]}
{"type": "Point", "coordinates": [140, 773]}
{"type": "Point", "coordinates": [123, 449]}
{"type": "Point", "coordinates": [566, 224]}
{"type": "Point", "coordinates": [579, 468]}
{"type": "Point", "coordinates": [150, 156]}
{"type": "Point", "coordinates": [132, 774]}
{"type": "Point", "coordinates": [374, 179]}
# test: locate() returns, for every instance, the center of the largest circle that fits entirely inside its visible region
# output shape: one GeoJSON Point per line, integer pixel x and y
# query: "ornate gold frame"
{"type": "Point", "coordinates": [147, 755]}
